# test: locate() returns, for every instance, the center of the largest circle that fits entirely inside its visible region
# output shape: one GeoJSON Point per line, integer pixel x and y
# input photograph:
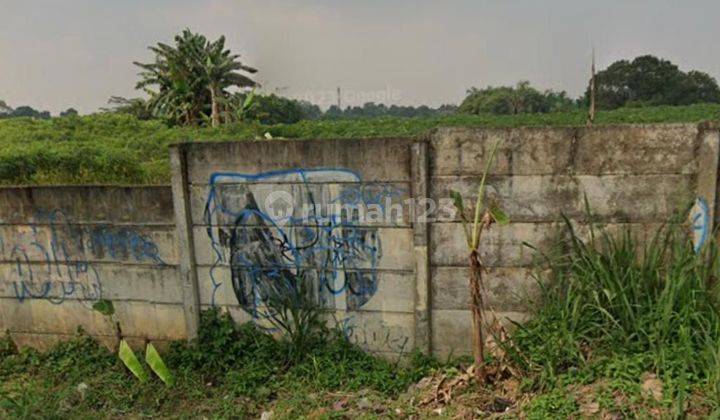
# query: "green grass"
{"type": "Point", "coordinates": [118, 149]}
{"type": "Point", "coordinates": [618, 309]}
{"type": "Point", "coordinates": [615, 312]}
{"type": "Point", "coordinates": [230, 371]}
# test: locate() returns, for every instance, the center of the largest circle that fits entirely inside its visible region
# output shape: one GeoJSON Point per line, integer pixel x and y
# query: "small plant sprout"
{"type": "Point", "coordinates": [126, 354]}
{"type": "Point", "coordinates": [156, 363]}
{"type": "Point", "coordinates": [484, 216]}
{"type": "Point", "coordinates": [131, 361]}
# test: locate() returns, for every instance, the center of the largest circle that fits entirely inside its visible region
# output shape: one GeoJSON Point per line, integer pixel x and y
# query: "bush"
{"type": "Point", "coordinates": [253, 360]}
{"type": "Point", "coordinates": [618, 299]}
{"type": "Point", "coordinates": [521, 99]}
{"type": "Point", "coordinates": [114, 148]}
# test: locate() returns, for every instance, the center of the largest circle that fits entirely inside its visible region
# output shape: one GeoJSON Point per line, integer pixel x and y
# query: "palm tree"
{"type": "Point", "coordinates": [191, 77]}
{"type": "Point", "coordinates": [221, 71]}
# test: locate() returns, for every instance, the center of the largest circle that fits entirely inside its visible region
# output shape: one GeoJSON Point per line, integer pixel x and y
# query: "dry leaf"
{"type": "Point", "coordinates": [652, 386]}
{"type": "Point", "coordinates": [590, 408]}
{"type": "Point", "coordinates": [340, 404]}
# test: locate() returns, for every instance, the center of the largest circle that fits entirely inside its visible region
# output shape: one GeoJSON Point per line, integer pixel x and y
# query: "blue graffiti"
{"type": "Point", "coordinates": [55, 266]}
{"type": "Point", "coordinates": [267, 252]}
{"type": "Point", "coordinates": [700, 223]}
{"type": "Point", "coordinates": [117, 242]}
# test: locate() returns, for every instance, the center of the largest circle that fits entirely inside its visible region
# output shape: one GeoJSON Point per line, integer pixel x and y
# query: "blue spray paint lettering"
{"type": "Point", "coordinates": [264, 249]}
{"type": "Point", "coordinates": [53, 263]}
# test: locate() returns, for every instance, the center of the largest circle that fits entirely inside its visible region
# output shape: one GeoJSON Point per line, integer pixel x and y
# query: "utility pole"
{"type": "Point", "coordinates": [591, 111]}
{"type": "Point", "coordinates": [339, 103]}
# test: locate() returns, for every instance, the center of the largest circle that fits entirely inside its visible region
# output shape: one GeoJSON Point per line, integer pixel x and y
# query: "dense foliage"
{"type": "Point", "coordinates": [188, 82]}
{"type": "Point", "coordinates": [619, 307]}
{"type": "Point", "coordinates": [508, 100]}
{"type": "Point", "coordinates": [120, 149]}
{"type": "Point", "coordinates": [6, 111]}
{"type": "Point", "coordinates": [274, 109]}
{"type": "Point", "coordinates": [230, 371]}
{"type": "Point", "coordinates": [373, 110]}
{"type": "Point", "coordinates": [650, 81]}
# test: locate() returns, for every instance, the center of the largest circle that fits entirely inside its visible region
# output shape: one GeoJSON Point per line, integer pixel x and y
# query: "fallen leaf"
{"type": "Point", "coordinates": [82, 389]}
{"type": "Point", "coordinates": [364, 404]}
{"type": "Point", "coordinates": [340, 404]}
{"type": "Point", "coordinates": [652, 386]}
{"type": "Point", "coordinates": [590, 408]}
{"type": "Point", "coordinates": [511, 387]}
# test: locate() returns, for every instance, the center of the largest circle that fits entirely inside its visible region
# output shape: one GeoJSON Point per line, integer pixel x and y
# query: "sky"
{"type": "Point", "coordinates": [56, 54]}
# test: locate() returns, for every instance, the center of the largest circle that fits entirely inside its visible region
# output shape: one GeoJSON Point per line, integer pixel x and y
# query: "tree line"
{"type": "Point", "coordinates": [645, 81]}
{"type": "Point", "coordinates": [6, 111]}
{"type": "Point", "coordinates": [197, 81]}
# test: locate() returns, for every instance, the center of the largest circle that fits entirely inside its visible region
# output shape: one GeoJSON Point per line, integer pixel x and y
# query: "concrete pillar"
{"type": "Point", "coordinates": [185, 242]}
{"type": "Point", "coordinates": [419, 175]}
{"type": "Point", "coordinates": [708, 160]}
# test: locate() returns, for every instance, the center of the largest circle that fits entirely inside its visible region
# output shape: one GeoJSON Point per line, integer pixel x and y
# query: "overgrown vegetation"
{"type": "Point", "coordinates": [120, 149]}
{"type": "Point", "coordinates": [624, 328]}
{"type": "Point", "coordinates": [513, 100]}
{"type": "Point", "coordinates": [650, 81]}
{"type": "Point", "coordinates": [188, 82]}
{"type": "Point", "coordinates": [628, 311]}
{"type": "Point", "coordinates": [229, 371]}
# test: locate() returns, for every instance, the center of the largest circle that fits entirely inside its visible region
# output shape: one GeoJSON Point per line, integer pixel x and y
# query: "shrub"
{"type": "Point", "coordinates": [616, 297]}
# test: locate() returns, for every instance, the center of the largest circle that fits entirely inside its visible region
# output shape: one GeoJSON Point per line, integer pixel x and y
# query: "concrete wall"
{"type": "Point", "coordinates": [631, 175]}
{"type": "Point", "coordinates": [401, 282]}
{"type": "Point", "coordinates": [361, 271]}
{"type": "Point", "coordinates": [241, 216]}
{"type": "Point", "coordinates": [64, 248]}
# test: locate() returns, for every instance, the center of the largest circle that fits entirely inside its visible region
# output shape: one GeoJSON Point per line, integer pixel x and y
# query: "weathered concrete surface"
{"type": "Point", "coordinates": [543, 198]}
{"type": "Point", "coordinates": [360, 257]}
{"type": "Point", "coordinates": [384, 159]}
{"type": "Point", "coordinates": [96, 204]}
{"type": "Point", "coordinates": [451, 330]}
{"type": "Point", "coordinates": [500, 246]}
{"type": "Point", "coordinates": [391, 295]}
{"type": "Point", "coordinates": [624, 149]}
{"type": "Point", "coordinates": [367, 197]}
{"type": "Point", "coordinates": [64, 248]}
{"type": "Point", "coordinates": [138, 244]}
{"type": "Point", "coordinates": [508, 288]}
{"type": "Point", "coordinates": [187, 270]}
{"type": "Point", "coordinates": [137, 319]}
{"type": "Point", "coordinates": [392, 284]}
{"type": "Point", "coordinates": [633, 177]}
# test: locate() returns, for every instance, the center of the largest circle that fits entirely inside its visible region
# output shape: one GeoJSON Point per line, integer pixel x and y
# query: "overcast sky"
{"type": "Point", "coordinates": [76, 53]}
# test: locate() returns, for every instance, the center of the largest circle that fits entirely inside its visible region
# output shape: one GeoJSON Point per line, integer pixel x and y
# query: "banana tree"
{"type": "Point", "coordinates": [484, 216]}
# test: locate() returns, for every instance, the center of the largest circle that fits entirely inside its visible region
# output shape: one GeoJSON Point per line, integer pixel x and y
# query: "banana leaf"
{"type": "Point", "coordinates": [131, 361]}
{"type": "Point", "coordinates": [153, 359]}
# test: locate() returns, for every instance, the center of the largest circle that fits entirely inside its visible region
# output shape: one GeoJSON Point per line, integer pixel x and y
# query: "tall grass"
{"type": "Point", "coordinates": [119, 149]}
{"type": "Point", "coordinates": [616, 299]}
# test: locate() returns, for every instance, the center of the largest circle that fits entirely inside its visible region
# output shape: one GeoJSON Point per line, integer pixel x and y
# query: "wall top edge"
{"type": "Point", "coordinates": [106, 187]}
{"type": "Point", "coordinates": [701, 126]}
{"type": "Point", "coordinates": [210, 144]}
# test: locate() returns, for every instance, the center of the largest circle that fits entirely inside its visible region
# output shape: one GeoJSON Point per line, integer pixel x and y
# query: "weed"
{"type": "Point", "coordinates": [618, 308]}
{"type": "Point", "coordinates": [119, 149]}
{"type": "Point", "coordinates": [229, 371]}
{"type": "Point", "coordinates": [7, 346]}
{"type": "Point", "coordinates": [294, 312]}
{"type": "Point", "coordinates": [556, 404]}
